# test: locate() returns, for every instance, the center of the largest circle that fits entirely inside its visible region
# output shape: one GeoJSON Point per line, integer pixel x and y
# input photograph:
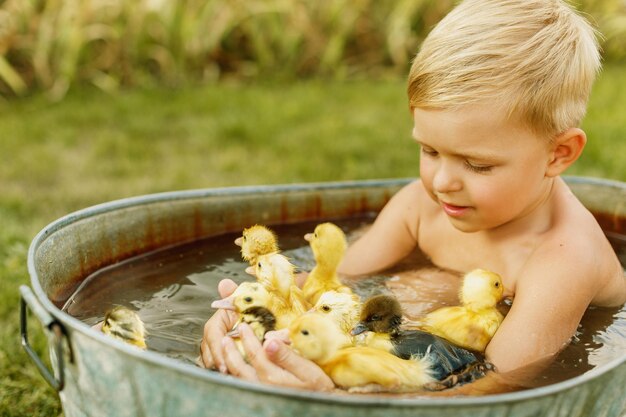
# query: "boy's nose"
{"type": "Point", "coordinates": [446, 179]}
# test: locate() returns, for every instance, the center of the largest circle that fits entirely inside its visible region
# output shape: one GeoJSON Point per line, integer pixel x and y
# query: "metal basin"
{"type": "Point", "coordinates": [96, 375]}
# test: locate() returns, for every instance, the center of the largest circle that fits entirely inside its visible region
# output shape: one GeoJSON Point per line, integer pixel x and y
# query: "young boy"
{"type": "Point", "coordinates": [497, 93]}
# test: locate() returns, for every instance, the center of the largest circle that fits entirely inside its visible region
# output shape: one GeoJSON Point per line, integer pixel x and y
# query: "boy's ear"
{"type": "Point", "coordinates": [565, 150]}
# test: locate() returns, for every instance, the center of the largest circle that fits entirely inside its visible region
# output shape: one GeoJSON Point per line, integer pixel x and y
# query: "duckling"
{"type": "Point", "coordinates": [124, 324]}
{"type": "Point", "coordinates": [381, 317]}
{"type": "Point", "coordinates": [356, 368]}
{"type": "Point", "coordinates": [276, 273]}
{"type": "Point", "coordinates": [260, 319]}
{"type": "Point", "coordinates": [328, 243]}
{"type": "Point", "coordinates": [472, 324]}
{"type": "Point", "coordinates": [253, 294]}
{"type": "Point", "coordinates": [255, 241]}
{"type": "Point", "coordinates": [344, 308]}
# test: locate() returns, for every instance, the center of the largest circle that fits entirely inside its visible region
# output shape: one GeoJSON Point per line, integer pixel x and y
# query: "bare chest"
{"type": "Point", "coordinates": [449, 248]}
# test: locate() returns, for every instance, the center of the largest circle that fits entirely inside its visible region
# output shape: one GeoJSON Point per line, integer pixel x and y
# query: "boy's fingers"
{"type": "Point", "coordinates": [205, 356]}
{"type": "Point", "coordinates": [282, 335]}
{"type": "Point", "coordinates": [303, 369]}
{"type": "Point", "coordinates": [226, 287]}
{"type": "Point", "coordinates": [237, 366]}
{"type": "Point", "coordinates": [214, 331]}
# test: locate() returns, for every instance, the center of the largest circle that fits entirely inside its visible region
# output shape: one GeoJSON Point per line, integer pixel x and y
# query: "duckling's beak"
{"type": "Point", "coordinates": [224, 303]}
{"type": "Point", "coordinates": [250, 270]}
{"type": "Point", "coordinates": [308, 237]}
{"type": "Point", "coordinates": [358, 329]}
{"type": "Point", "coordinates": [239, 241]}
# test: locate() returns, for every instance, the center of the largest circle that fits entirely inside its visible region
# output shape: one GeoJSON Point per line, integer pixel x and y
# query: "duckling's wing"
{"type": "Point", "coordinates": [460, 326]}
{"type": "Point", "coordinates": [446, 357]}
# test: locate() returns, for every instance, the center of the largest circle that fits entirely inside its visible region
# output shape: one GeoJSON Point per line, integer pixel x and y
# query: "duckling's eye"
{"type": "Point", "coordinates": [304, 332]}
{"type": "Point", "coordinates": [315, 234]}
{"type": "Point", "coordinates": [247, 299]}
{"type": "Point", "coordinates": [497, 284]}
{"type": "Point", "coordinates": [325, 308]}
{"type": "Point", "coordinates": [375, 317]}
{"type": "Point", "coordinates": [259, 264]}
{"type": "Point", "coordinates": [244, 238]}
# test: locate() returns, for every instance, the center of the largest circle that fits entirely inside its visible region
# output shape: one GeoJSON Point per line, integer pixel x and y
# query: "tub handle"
{"type": "Point", "coordinates": [56, 380]}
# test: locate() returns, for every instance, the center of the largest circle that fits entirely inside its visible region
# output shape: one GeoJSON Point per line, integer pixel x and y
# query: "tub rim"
{"type": "Point", "coordinates": [307, 395]}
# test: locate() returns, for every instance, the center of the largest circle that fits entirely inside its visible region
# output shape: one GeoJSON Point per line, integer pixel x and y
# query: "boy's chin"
{"type": "Point", "coordinates": [465, 226]}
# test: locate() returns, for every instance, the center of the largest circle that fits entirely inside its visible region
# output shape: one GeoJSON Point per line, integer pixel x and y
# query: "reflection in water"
{"type": "Point", "coordinates": [172, 290]}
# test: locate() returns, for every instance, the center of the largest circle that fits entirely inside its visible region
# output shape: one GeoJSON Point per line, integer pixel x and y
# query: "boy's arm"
{"type": "Point", "coordinates": [552, 294]}
{"type": "Point", "coordinates": [550, 299]}
{"type": "Point", "coordinates": [392, 236]}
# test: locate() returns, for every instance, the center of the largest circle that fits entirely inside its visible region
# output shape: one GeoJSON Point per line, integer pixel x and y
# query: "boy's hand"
{"type": "Point", "coordinates": [273, 363]}
{"type": "Point", "coordinates": [216, 328]}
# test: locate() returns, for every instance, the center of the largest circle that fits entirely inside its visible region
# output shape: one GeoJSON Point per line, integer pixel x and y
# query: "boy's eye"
{"type": "Point", "coordinates": [429, 151]}
{"type": "Point", "coordinates": [478, 168]}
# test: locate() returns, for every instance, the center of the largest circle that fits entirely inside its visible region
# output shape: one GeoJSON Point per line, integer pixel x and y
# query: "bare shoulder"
{"type": "Point", "coordinates": [576, 254]}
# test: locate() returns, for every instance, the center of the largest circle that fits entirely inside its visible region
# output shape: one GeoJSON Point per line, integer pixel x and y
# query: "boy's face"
{"type": "Point", "coordinates": [481, 168]}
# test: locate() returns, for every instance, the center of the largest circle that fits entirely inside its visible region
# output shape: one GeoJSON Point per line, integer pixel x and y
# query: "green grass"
{"type": "Point", "coordinates": [91, 148]}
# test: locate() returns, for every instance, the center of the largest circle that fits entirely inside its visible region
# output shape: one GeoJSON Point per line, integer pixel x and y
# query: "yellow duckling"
{"type": "Point", "coordinates": [472, 324]}
{"type": "Point", "coordinates": [253, 294]}
{"type": "Point", "coordinates": [328, 243]}
{"type": "Point", "coordinates": [343, 308]}
{"type": "Point", "coordinates": [260, 319]}
{"type": "Point", "coordinates": [356, 368]}
{"type": "Point", "coordinates": [256, 241]}
{"type": "Point", "coordinates": [124, 324]}
{"type": "Point", "coordinates": [276, 273]}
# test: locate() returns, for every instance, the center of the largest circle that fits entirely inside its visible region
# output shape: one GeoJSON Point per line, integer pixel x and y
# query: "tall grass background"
{"type": "Point", "coordinates": [52, 45]}
{"type": "Point", "coordinates": [105, 99]}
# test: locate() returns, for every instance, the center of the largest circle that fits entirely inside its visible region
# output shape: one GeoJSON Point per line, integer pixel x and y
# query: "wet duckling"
{"type": "Point", "coordinates": [256, 241]}
{"type": "Point", "coordinates": [276, 273]}
{"type": "Point", "coordinates": [260, 319]}
{"type": "Point", "coordinates": [124, 324]}
{"type": "Point", "coordinates": [381, 317]}
{"type": "Point", "coordinates": [472, 324]}
{"type": "Point", "coordinates": [356, 368]}
{"type": "Point", "coordinates": [344, 308]}
{"type": "Point", "coordinates": [328, 243]}
{"type": "Point", "coordinates": [253, 294]}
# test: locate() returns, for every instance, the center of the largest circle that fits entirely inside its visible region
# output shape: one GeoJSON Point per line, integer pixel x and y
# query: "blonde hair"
{"type": "Point", "coordinates": [535, 58]}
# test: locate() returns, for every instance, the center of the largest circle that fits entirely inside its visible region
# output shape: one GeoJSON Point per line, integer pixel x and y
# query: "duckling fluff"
{"type": "Point", "coordinates": [124, 324]}
{"type": "Point", "coordinates": [328, 243]}
{"type": "Point", "coordinates": [276, 273]}
{"type": "Point", "coordinates": [253, 294]}
{"type": "Point", "coordinates": [260, 319]}
{"type": "Point", "coordinates": [256, 241]}
{"type": "Point", "coordinates": [472, 324]}
{"type": "Point", "coordinates": [343, 308]}
{"type": "Point", "coordinates": [356, 368]}
{"type": "Point", "coordinates": [381, 317]}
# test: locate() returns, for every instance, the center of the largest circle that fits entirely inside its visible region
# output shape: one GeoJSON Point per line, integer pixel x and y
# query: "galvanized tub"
{"type": "Point", "coordinates": [98, 376]}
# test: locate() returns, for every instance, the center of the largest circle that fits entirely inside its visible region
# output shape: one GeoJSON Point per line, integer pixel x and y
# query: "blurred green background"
{"type": "Point", "coordinates": [105, 99]}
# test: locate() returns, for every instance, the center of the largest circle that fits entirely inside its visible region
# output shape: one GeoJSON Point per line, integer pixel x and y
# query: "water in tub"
{"type": "Point", "coordinates": [172, 289]}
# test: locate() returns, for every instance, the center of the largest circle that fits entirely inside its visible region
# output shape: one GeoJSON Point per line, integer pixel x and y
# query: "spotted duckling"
{"type": "Point", "coordinates": [124, 324]}
{"type": "Point", "coordinates": [380, 322]}
{"type": "Point", "coordinates": [260, 319]}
